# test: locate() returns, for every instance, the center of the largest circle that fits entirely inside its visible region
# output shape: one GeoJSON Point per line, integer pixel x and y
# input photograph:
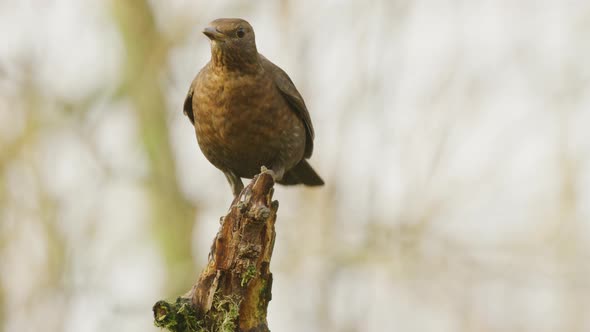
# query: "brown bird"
{"type": "Point", "coordinates": [247, 112]}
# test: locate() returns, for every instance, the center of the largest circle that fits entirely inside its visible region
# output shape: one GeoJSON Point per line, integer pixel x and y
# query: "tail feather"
{"type": "Point", "coordinates": [302, 173]}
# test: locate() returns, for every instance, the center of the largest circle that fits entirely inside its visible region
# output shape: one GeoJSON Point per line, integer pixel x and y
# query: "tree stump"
{"type": "Point", "coordinates": [233, 291]}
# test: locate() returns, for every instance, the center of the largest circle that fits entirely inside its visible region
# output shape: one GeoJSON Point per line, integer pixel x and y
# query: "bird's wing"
{"type": "Point", "coordinates": [289, 91]}
{"type": "Point", "coordinates": [188, 105]}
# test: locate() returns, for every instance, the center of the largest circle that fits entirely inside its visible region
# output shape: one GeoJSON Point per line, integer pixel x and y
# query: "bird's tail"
{"type": "Point", "coordinates": [302, 173]}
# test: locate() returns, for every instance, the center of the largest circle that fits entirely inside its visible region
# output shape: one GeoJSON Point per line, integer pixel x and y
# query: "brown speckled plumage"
{"type": "Point", "coordinates": [247, 112]}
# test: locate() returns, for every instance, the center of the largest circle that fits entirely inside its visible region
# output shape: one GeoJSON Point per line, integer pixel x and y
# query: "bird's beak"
{"type": "Point", "coordinates": [212, 33]}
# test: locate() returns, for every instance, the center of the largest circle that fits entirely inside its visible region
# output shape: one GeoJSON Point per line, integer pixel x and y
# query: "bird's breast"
{"type": "Point", "coordinates": [233, 105]}
{"type": "Point", "coordinates": [240, 119]}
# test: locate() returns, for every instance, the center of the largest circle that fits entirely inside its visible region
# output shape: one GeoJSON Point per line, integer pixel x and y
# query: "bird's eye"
{"type": "Point", "coordinates": [240, 33]}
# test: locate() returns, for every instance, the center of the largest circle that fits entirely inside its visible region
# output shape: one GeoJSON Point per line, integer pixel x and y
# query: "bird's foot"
{"type": "Point", "coordinates": [276, 174]}
{"type": "Point", "coordinates": [264, 170]}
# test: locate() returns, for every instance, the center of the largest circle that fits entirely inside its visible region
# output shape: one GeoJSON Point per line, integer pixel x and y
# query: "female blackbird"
{"type": "Point", "coordinates": [247, 112]}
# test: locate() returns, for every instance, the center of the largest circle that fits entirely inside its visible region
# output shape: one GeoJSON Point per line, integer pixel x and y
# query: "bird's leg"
{"type": "Point", "coordinates": [235, 182]}
{"type": "Point", "coordinates": [277, 175]}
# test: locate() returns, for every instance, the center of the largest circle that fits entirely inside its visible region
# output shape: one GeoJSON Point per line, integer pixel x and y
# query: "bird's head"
{"type": "Point", "coordinates": [232, 42]}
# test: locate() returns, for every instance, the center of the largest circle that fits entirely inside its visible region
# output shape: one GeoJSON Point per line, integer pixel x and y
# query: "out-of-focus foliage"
{"type": "Point", "coordinates": [452, 135]}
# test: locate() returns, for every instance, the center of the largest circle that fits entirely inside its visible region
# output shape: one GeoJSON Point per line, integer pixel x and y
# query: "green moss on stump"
{"type": "Point", "coordinates": [248, 275]}
{"type": "Point", "coordinates": [180, 317]}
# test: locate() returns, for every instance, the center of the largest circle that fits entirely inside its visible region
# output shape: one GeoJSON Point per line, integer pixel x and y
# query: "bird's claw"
{"type": "Point", "coordinates": [264, 170]}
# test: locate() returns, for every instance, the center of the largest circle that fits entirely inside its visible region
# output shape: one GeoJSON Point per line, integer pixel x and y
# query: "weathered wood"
{"type": "Point", "coordinates": [233, 291]}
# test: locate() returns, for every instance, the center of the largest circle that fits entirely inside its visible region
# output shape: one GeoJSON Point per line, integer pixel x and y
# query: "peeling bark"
{"type": "Point", "coordinates": [233, 291]}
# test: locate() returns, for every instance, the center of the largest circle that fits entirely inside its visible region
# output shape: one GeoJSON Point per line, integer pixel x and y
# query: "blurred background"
{"type": "Point", "coordinates": [453, 137]}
